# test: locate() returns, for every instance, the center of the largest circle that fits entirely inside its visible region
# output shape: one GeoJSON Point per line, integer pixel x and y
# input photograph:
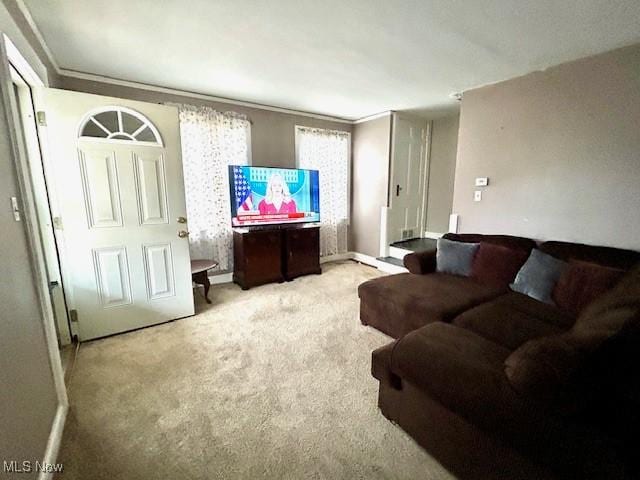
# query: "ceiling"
{"type": "Point", "coordinates": [347, 58]}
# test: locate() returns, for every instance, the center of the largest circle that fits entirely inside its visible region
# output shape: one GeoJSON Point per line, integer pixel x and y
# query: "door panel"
{"type": "Point", "coordinates": [159, 270]}
{"type": "Point", "coordinates": [100, 188]}
{"type": "Point", "coordinates": [150, 184]}
{"type": "Point", "coordinates": [112, 276]}
{"type": "Point", "coordinates": [118, 202]}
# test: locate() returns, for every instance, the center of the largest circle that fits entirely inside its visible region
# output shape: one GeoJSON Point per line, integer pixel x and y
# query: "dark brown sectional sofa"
{"type": "Point", "coordinates": [495, 384]}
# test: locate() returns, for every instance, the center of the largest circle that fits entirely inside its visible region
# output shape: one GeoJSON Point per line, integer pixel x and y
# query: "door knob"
{"type": "Point", "coordinates": [183, 234]}
{"type": "Point", "coordinates": [182, 220]}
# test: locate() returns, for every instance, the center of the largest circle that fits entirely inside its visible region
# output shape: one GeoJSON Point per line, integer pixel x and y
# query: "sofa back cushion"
{"type": "Point", "coordinates": [606, 256]}
{"type": "Point", "coordinates": [504, 240]}
{"type": "Point", "coordinates": [581, 283]}
{"type": "Point", "coordinates": [497, 264]}
{"type": "Point", "coordinates": [541, 367]}
{"type": "Point", "coordinates": [609, 314]}
{"type": "Point", "coordinates": [455, 257]}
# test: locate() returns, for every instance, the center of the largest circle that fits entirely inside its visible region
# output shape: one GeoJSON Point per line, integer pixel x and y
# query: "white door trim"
{"type": "Point", "coordinates": [427, 176]}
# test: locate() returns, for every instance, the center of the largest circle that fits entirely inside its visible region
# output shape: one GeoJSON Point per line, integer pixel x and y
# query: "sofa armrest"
{"type": "Point", "coordinates": [381, 366]}
{"type": "Point", "coordinates": [421, 262]}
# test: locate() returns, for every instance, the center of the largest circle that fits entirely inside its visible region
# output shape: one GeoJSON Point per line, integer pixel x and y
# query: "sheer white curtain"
{"type": "Point", "coordinates": [328, 152]}
{"type": "Point", "coordinates": [211, 141]}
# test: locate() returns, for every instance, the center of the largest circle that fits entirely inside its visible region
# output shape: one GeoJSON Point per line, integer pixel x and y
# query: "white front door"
{"type": "Point", "coordinates": [407, 192]}
{"type": "Point", "coordinates": [118, 202]}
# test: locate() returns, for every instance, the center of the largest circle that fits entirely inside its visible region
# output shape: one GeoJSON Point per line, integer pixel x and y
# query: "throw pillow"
{"type": "Point", "coordinates": [497, 264]}
{"type": "Point", "coordinates": [581, 283]}
{"type": "Point", "coordinates": [455, 257]}
{"type": "Point", "coordinates": [538, 276]}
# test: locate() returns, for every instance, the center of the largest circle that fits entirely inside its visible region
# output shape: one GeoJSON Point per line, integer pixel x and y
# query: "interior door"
{"type": "Point", "coordinates": [408, 178]}
{"type": "Point", "coordinates": [119, 209]}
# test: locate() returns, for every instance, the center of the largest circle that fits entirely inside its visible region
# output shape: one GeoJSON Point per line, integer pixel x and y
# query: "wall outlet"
{"type": "Point", "coordinates": [477, 195]}
{"type": "Point", "coordinates": [482, 181]}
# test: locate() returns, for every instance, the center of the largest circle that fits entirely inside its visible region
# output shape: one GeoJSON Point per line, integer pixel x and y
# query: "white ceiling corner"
{"type": "Point", "coordinates": [344, 59]}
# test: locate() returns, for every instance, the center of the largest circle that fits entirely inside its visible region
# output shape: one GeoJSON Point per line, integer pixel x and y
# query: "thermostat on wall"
{"type": "Point", "coordinates": [482, 181]}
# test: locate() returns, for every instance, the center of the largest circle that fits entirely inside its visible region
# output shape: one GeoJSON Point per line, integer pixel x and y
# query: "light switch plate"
{"type": "Point", "coordinates": [482, 181]}
{"type": "Point", "coordinates": [477, 195]}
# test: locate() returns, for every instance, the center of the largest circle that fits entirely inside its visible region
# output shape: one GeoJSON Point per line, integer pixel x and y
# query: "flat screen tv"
{"type": "Point", "coordinates": [270, 196]}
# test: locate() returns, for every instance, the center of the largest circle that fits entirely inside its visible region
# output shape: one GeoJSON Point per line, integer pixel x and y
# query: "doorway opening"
{"type": "Point", "coordinates": [23, 81]}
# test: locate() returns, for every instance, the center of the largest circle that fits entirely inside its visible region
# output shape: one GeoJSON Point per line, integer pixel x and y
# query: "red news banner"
{"type": "Point", "coordinates": [269, 217]}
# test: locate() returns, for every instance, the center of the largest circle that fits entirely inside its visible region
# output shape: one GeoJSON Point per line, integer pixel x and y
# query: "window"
{"type": "Point", "coordinates": [328, 152]}
{"type": "Point", "coordinates": [211, 141]}
{"type": "Point", "coordinates": [119, 124]}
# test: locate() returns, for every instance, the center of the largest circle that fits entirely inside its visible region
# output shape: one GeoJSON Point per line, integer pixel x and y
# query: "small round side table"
{"type": "Point", "coordinates": [199, 275]}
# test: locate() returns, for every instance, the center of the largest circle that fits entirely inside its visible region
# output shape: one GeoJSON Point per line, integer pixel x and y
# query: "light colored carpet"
{"type": "Point", "coordinates": [272, 383]}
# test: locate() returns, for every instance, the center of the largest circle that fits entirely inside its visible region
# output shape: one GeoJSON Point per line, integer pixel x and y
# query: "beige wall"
{"type": "Point", "coordinates": [562, 150]}
{"type": "Point", "coordinates": [370, 179]}
{"type": "Point", "coordinates": [442, 167]}
{"type": "Point", "coordinates": [28, 399]}
{"type": "Point", "coordinates": [272, 133]}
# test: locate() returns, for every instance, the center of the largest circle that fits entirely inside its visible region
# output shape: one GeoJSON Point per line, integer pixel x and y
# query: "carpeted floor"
{"type": "Point", "coordinates": [272, 383]}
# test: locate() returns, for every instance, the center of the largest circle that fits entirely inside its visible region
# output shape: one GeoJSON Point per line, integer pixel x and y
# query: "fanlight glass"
{"type": "Point", "coordinates": [119, 124]}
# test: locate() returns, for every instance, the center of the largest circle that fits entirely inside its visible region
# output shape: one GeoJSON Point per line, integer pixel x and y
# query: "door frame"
{"type": "Point", "coordinates": [385, 211]}
{"type": "Point", "coordinates": [9, 53]}
{"type": "Point", "coordinates": [42, 195]}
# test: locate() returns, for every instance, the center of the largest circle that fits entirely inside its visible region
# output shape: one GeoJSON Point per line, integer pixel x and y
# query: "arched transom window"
{"type": "Point", "coordinates": [119, 124]}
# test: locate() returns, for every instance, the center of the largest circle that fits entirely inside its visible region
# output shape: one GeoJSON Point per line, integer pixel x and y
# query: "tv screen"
{"type": "Point", "coordinates": [268, 196]}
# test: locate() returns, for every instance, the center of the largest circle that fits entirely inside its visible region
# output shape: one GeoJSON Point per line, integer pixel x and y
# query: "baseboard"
{"type": "Point", "coordinates": [53, 444]}
{"type": "Point", "coordinates": [221, 278]}
{"type": "Point", "coordinates": [337, 257]}
{"type": "Point", "coordinates": [374, 262]}
{"type": "Point", "coordinates": [366, 259]}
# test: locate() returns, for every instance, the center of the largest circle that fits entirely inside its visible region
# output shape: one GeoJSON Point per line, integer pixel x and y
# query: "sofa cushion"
{"type": "Point", "coordinates": [538, 276]}
{"type": "Point", "coordinates": [460, 369]}
{"type": "Point", "coordinates": [455, 257]}
{"type": "Point", "coordinates": [512, 319]}
{"type": "Point", "coordinates": [581, 283]}
{"type": "Point", "coordinates": [497, 264]}
{"type": "Point", "coordinates": [540, 368]}
{"type": "Point", "coordinates": [565, 367]}
{"type": "Point", "coordinates": [398, 304]}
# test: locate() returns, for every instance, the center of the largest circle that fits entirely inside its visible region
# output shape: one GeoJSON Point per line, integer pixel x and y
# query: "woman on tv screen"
{"type": "Point", "coordinates": [278, 199]}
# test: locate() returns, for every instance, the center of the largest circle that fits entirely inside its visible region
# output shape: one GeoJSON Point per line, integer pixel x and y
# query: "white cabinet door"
{"type": "Point", "coordinates": [407, 186]}
{"type": "Point", "coordinates": [117, 194]}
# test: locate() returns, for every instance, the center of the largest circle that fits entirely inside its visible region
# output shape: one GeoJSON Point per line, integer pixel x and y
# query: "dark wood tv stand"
{"type": "Point", "coordinates": [275, 254]}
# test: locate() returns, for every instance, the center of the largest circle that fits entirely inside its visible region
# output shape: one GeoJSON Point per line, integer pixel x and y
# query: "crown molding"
{"type": "Point", "coordinates": [373, 117]}
{"type": "Point", "coordinates": [185, 93]}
